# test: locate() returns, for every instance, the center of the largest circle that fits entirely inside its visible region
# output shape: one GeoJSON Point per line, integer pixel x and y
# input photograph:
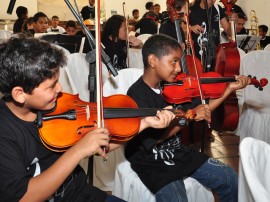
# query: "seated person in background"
{"type": "Point", "coordinates": [88, 12]}
{"type": "Point", "coordinates": [71, 28]}
{"type": "Point", "coordinates": [90, 25]}
{"type": "Point", "coordinates": [20, 24]}
{"type": "Point", "coordinates": [29, 171]}
{"type": "Point", "coordinates": [239, 24]}
{"type": "Point", "coordinates": [265, 40]}
{"type": "Point", "coordinates": [147, 25]}
{"type": "Point", "coordinates": [55, 27]}
{"type": "Point", "coordinates": [40, 23]}
{"type": "Point", "coordinates": [135, 18]}
{"type": "Point", "coordinates": [157, 155]}
{"type": "Point", "coordinates": [114, 38]}
{"type": "Point", "coordinates": [29, 23]}
{"type": "Point", "coordinates": [149, 6]}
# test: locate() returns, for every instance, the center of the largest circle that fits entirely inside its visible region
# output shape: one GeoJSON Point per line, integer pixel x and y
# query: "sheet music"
{"type": "Point", "coordinates": [246, 42]}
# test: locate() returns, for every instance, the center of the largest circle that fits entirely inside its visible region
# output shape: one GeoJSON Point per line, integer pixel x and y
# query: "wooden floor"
{"type": "Point", "coordinates": [224, 147]}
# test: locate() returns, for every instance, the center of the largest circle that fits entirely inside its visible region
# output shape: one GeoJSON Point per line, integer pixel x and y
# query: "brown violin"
{"type": "Point", "coordinates": [212, 83]}
{"type": "Point", "coordinates": [72, 118]}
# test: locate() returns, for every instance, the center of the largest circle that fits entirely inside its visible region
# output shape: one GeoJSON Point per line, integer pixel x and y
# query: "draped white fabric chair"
{"type": "Point", "coordinates": [5, 34]}
{"type": "Point", "coordinates": [267, 48]}
{"type": "Point", "coordinates": [255, 117]}
{"type": "Point", "coordinates": [124, 182]}
{"type": "Point", "coordinates": [254, 171]}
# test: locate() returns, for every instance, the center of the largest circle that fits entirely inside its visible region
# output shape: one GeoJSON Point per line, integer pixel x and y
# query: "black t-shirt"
{"type": "Point", "coordinates": [168, 28]}
{"type": "Point", "coordinates": [264, 42]}
{"type": "Point", "coordinates": [88, 12]}
{"type": "Point", "coordinates": [146, 26]}
{"type": "Point", "coordinates": [158, 165]}
{"type": "Point", "coordinates": [19, 26]}
{"type": "Point", "coordinates": [198, 16]}
{"type": "Point", "coordinates": [117, 51]}
{"type": "Point", "coordinates": [23, 156]}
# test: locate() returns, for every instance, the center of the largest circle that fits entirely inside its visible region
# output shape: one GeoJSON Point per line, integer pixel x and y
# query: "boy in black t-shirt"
{"type": "Point", "coordinates": [29, 83]}
{"type": "Point", "coordinates": [265, 40]}
{"type": "Point", "coordinates": [157, 155]}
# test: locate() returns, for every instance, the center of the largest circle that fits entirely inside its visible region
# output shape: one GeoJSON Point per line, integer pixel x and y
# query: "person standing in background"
{"type": "Point", "coordinates": [55, 27]}
{"type": "Point", "coordinates": [157, 11]}
{"type": "Point", "coordinates": [88, 12]}
{"type": "Point", "coordinates": [71, 28]}
{"type": "Point", "coordinates": [135, 18]}
{"type": "Point", "coordinates": [20, 24]}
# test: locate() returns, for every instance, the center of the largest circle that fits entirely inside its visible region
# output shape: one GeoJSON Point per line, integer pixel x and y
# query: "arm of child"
{"type": "Point", "coordinates": [41, 187]}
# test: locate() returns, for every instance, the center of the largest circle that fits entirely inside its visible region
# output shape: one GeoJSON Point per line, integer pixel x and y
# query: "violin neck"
{"type": "Point", "coordinates": [217, 80]}
{"type": "Point", "coordinates": [129, 112]}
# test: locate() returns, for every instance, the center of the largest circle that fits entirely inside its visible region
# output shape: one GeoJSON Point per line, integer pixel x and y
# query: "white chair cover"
{"type": "Point", "coordinates": [144, 37]}
{"type": "Point", "coordinates": [255, 117]}
{"type": "Point", "coordinates": [254, 171]}
{"type": "Point", "coordinates": [125, 183]}
{"type": "Point", "coordinates": [78, 68]}
{"type": "Point", "coordinates": [5, 34]}
{"type": "Point", "coordinates": [267, 48]}
{"type": "Point", "coordinates": [135, 58]}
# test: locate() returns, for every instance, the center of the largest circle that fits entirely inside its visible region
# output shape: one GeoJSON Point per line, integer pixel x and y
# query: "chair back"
{"type": "Point", "coordinates": [254, 175]}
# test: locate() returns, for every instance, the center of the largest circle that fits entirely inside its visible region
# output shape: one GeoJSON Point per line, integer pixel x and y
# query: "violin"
{"type": "Point", "coordinates": [213, 85]}
{"type": "Point", "coordinates": [72, 118]}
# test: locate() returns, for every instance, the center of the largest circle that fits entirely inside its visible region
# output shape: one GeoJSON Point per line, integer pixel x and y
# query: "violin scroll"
{"type": "Point", "coordinates": [258, 84]}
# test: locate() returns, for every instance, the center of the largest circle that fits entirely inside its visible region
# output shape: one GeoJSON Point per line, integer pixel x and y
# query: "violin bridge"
{"type": "Point", "coordinates": [87, 112]}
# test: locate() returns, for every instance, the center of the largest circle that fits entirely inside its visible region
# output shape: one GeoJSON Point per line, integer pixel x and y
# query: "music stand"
{"type": "Point", "coordinates": [247, 43]}
{"type": "Point", "coordinates": [71, 43]}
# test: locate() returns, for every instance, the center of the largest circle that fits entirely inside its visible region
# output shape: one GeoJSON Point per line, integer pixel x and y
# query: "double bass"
{"type": "Point", "coordinates": [226, 116]}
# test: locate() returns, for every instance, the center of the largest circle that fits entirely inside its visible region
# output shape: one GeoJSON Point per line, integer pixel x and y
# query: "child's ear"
{"type": "Point", "coordinates": [18, 94]}
{"type": "Point", "coordinates": [152, 59]}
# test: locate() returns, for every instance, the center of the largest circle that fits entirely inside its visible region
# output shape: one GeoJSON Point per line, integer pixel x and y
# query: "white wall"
{"type": "Point", "coordinates": [261, 7]}
{"type": "Point", "coordinates": [30, 4]}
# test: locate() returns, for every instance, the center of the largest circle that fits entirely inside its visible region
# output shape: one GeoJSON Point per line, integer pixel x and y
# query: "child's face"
{"type": "Point", "coordinates": [123, 31]}
{"type": "Point", "coordinates": [168, 67]}
{"type": "Point", "coordinates": [71, 31]}
{"type": "Point", "coordinates": [44, 96]}
{"type": "Point", "coordinates": [41, 25]}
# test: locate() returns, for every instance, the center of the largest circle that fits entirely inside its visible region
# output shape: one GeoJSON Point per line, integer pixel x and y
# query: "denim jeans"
{"type": "Point", "coordinates": [212, 174]}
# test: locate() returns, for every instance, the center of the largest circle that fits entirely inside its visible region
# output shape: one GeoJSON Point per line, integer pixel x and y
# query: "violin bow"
{"type": "Point", "coordinates": [127, 25]}
{"type": "Point", "coordinates": [100, 106]}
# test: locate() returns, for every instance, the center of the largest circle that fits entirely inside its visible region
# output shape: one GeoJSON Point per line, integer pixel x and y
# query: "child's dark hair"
{"type": "Point", "coordinates": [159, 45]}
{"type": "Point", "coordinates": [21, 10]}
{"type": "Point", "coordinates": [264, 28]}
{"type": "Point", "coordinates": [39, 15]}
{"type": "Point", "coordinates": [27, 62]}
{"type": "Point", "coordinates": [71, 23]}
{"type": "Point", "coordinates": [112, 27]}
{"type": "Point", "coordinates": [134, 11]}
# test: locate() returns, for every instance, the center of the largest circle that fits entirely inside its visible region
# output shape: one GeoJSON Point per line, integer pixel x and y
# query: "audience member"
{"type": "Point", "coordinates": [20, 24]}
{"type": "Point", "coordinates": [55, 27]}
{"type": "Point", "coordinates": [135, 17]}
{"type": "Point", "coordinates": [40, 23]}
{"type": "Point", "coordinates": [88, 12]}
{"type": "Point", "coordinates": [114, 38]}
{"type": "Point", "coordinates": [147, 25]}
{"type": "Point", "coordinates": [265, 40]}
{"type": "Point", "coordinates": [71, 28]}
